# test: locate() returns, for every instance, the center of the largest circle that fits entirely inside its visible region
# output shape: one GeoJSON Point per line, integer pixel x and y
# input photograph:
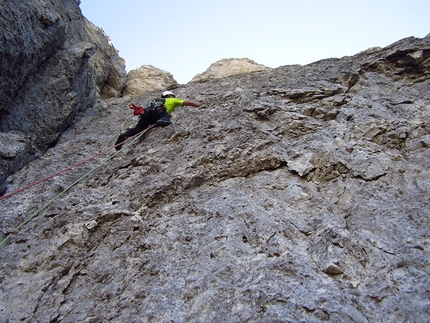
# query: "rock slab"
{"type": "Point", "coordinates": [299, 194]}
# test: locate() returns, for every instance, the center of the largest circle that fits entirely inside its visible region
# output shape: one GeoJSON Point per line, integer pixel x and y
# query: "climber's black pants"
{"type": "Point", "coordinates": [145, 121]}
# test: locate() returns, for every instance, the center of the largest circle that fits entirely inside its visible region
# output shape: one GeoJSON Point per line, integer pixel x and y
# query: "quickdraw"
{"type": "Point", "coordinates": [138, 111]}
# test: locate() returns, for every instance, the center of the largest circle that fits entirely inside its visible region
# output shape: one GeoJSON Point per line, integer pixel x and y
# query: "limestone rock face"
{"type": "Point", "coordinates": [148, 78]}
{"type": "Point", "coordinates": [108, 67]}
{"type": "Point", "coordinates": [229, 66]}
{"type": "Point", "coordinates": [54, 63]}
{"type": "Point", "coordinates": [297, 194]}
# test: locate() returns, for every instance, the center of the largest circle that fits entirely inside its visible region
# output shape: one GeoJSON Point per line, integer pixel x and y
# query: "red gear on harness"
{"type": "Point", "coordinates": [138, 111]}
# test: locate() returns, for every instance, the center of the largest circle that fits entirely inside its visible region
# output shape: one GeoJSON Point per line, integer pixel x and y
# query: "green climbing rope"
{"type": "Point", "coordinates": [44, 207]}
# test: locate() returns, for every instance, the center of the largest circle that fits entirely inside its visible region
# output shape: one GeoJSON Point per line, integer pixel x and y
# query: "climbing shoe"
{"type": "Point", "coordinates": [163, 121]}
{"type": "Point", "coordinates": [118, 144]}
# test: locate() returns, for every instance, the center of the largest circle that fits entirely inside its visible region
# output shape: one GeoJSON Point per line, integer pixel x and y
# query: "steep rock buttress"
{"type": "Point", "coordinates": [294, 194]}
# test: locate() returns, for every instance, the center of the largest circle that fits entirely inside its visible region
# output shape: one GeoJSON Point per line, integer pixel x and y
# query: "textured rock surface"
{"type": "Point", "coordinates": [228, 67]}
{"type": "Point", "coordinates": [299, 194]}
{"type": "Point", "coordinates": [49, 73]}
{"type": "Point", "coordinates": [108, 69]}
{"type": "Point", "coordinates": [147, 78]}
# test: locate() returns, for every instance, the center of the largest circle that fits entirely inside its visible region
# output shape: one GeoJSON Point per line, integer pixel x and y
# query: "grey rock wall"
{"type": "Point", "coordinates": [48, 75]}
{"type": "Point", "coordinates": [108, 68]}
{"type": "Point", "coordinates": [299, 194]}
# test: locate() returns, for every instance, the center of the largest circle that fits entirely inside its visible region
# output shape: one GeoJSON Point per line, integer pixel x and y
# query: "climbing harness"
{"type": "Point", "coordinates": [130, 141]}
{"type": "Point", "coordinates": [155, 105]}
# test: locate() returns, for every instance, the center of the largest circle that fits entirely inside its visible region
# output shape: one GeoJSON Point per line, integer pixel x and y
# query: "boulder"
{"type": "Point", "coordinates": [228, 67]}
{"type": "Point", "coordinates": [148, 78]}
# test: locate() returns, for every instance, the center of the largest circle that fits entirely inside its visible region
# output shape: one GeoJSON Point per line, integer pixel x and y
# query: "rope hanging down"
{"type": "Point", "coordinates": [70, 167]}
{"type": "Point", "coordinates": [44, 207]}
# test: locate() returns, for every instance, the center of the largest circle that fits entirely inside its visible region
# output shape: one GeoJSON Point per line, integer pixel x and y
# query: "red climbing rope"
{"type": "Point", "coordinates": [70, 167]}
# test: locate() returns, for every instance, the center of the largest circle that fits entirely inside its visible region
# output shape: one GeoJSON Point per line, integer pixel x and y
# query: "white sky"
{"type": "Point", "coordinates": [184, 37]}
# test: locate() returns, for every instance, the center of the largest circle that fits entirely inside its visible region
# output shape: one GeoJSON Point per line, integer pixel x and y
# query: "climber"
{"type": "Point", "coordinates": [151, 115]}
